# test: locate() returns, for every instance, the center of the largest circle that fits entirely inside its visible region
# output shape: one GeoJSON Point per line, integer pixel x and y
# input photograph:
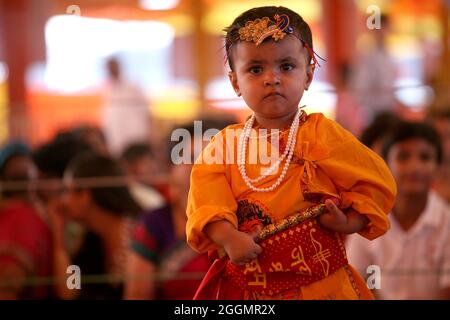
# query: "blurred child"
{"type": "Point", "coordinates": [140, 165]}
{"type": "Point", "coordinates": [414, 256]}
{"type": "Point", "coordinates": [378, 130]}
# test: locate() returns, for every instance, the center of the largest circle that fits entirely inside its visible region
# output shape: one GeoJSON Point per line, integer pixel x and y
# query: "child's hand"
{"type": "Point", "coordinates": [241, 247]}
{"type": "Point", "coordinates": [335, 219]}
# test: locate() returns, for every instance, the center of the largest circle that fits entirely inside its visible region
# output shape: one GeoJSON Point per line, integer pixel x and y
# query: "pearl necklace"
{"type": "Point", "coordinates": [276, 131]}
{"type": "Point", "coordinates": [288, 153]}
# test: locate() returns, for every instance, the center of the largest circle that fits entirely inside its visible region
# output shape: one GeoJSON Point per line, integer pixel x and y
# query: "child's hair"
{"type": "Point", "coordinates": [301, 28]}
{"type": "Point", "coordinates": [405, 130]}
{"type": "Point", "coordinates": [379, 128]}
{"type": "Point", "coordinates": [136, 151]}
{"type": "Point", "coordinates": [439, 112]}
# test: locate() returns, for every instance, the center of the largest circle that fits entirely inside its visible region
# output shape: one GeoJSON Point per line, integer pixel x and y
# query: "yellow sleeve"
{"type": "Point", "coordinates": [210, 199]}
{"type": "Point", "coordinates": [361, 177]}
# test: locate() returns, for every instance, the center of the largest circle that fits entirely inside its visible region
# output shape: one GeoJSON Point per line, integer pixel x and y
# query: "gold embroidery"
{"type": "Point", "coordinates": [299, 259]}
{"type": "Point", "coordinates": [260, 280]}
{"type": "Point", "coordinates": [278, 266]}
{"type": "Point", "coordinates": [321, 255]}
{"type": "Point", "coordinates": [252, 266]}
{"type": "Point", "coordinates": [259, 29]}
{"type": "Point", "coordinates": [291, 221]}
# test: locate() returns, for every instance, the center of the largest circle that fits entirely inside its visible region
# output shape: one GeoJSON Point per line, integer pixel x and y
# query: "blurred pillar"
{"type": "Point", "coordinates": [340, 30]}
{"type": "Point", "coordinates": [200, 50]}
{"type": "Point", "coordinates": [13, 25]}
{"type": "Point", "coordinates": [441, 82]}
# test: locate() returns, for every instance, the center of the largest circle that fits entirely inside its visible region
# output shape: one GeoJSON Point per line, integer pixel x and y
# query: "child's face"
{"type": "Point", "coordinates": [413, 163]}
{"type": "Point", "coordinates": [271, 77]}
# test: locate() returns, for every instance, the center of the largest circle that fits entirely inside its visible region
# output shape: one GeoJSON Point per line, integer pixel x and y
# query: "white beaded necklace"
{"type": "Point", "coordinates": [288, 153]}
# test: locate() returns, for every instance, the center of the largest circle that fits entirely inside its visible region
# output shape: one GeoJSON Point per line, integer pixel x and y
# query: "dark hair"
{"type": "Point", "coordinates": [82, 131]}
{"type": "Point", "coordinates": [9, 151]}
{"type": "Point", "coordinates": [384, 20]}
{"type": "Point", "coordinates": [439, 111]}
{"type": "Point", "coordinates": [301, 28]}
{"type": "Point", "coordinates": [115, 199]}
{"type": "Point", "coordinates": [136, 151]}
{"type": "Point", "coordinates": [406, 130]}
{"type": "Point", "coordinates": [379, 128]}
{"type": "Point", "coordinates": [53, 157]}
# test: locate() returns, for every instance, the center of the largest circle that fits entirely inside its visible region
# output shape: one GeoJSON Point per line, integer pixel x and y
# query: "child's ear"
{"type": "Point", "coordinates": [309, 75]}
{"type": "Point", "coordinates": [234, 82]}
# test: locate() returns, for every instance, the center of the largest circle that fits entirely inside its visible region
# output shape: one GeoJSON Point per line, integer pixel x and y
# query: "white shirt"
{"type": "Point", "coordinates": [125, 116]}
{"type": "Point", "coordinates": [415, 264]}
{"type": "Point", "coordinates": [373, 80]}
{"type": "Point", "coordinates": [147, 197]}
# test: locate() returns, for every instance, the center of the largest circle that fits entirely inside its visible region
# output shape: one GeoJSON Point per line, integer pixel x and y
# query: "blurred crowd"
{"type": "Point", "coordinates": [121, 219]}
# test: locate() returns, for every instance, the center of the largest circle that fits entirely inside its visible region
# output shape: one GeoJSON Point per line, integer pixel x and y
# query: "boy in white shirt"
{"type": "Point", "coordinates": [414, 256]}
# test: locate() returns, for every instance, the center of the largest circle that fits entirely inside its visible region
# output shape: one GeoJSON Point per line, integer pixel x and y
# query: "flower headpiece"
{"type": "Point", "coordinates": [260, 29]}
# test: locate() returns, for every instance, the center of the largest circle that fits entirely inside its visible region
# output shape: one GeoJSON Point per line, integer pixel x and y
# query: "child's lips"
{"type": "Point", "coordinates": [415, 179]}
{"type": "Point", "coordinates": [273, 94]}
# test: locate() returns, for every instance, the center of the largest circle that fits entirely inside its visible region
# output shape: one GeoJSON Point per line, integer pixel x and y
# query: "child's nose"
{"type": "Point", "coordinates": [271, 79]}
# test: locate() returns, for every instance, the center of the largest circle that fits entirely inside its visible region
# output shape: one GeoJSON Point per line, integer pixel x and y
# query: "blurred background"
{"type": "Point", "coordinates": [53, 56]}
{"type": "Point", "coordinates": [116, 77]}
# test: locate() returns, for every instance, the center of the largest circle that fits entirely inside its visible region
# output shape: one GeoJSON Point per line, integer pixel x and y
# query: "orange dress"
{"type": "Point", "coordinates": [328, 161]}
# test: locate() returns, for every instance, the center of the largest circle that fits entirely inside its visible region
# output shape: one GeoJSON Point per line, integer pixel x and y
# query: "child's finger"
{"type": "Point", "coordinates": [255, 232]}
{"type": "Point", "coordinates": [331, 206]}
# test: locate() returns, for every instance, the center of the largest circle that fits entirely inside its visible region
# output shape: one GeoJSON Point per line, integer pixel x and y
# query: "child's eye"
{"type": "Point", "coordinates": [255, 70]}
{"type": "Point", "coordinates": [425, 157]}
{"type": "Point", "coordinates": [287, 66]}
{"type": "Point", "coordinates": [403, 156]}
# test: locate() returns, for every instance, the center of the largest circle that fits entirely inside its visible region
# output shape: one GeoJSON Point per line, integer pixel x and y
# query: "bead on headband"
{"type": "Point", "coordinates": [260, 29]}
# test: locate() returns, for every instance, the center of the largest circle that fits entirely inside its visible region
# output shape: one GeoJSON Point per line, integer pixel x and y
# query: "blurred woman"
{"type": "Point", "coordinates": [97, 197]}
{"type": "Point", "coordinates": [25, 240]}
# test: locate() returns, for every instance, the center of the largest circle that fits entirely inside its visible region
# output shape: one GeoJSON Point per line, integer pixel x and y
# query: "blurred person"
{"type": "Point", "coordinates": [52, 159]}
{"type": "Point", "coordinates": [107, 213]}
{"type": "Point", "coordinates": [125, 115]}
{"type": "Point", "coordinates": [25, 238]}
{"type": "Point", "coordinates": [92, 136]}
{"type": "Point", "coordinates": [159, 241]}
{"type": "Point", "coordinates": [440, 119]}
{"type": "Point", "coordinates": [414, 256]}
{"type": "Point", "coordinates": [378, 130]}
{"type": "Point", "coordinates": [375, 75]}
{"type": "Point", "coordinates": [141, 167]}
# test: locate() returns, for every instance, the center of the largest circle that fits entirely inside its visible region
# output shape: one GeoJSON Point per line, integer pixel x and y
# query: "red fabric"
{"type": "Point", "coordinates": [184, 289]}
{"type": "Point", "coordinates": [210, 285]}
{"type": "Point", "coordinates": [320, 254]}
{"type": "Point", "coordinates": [26, 239]}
